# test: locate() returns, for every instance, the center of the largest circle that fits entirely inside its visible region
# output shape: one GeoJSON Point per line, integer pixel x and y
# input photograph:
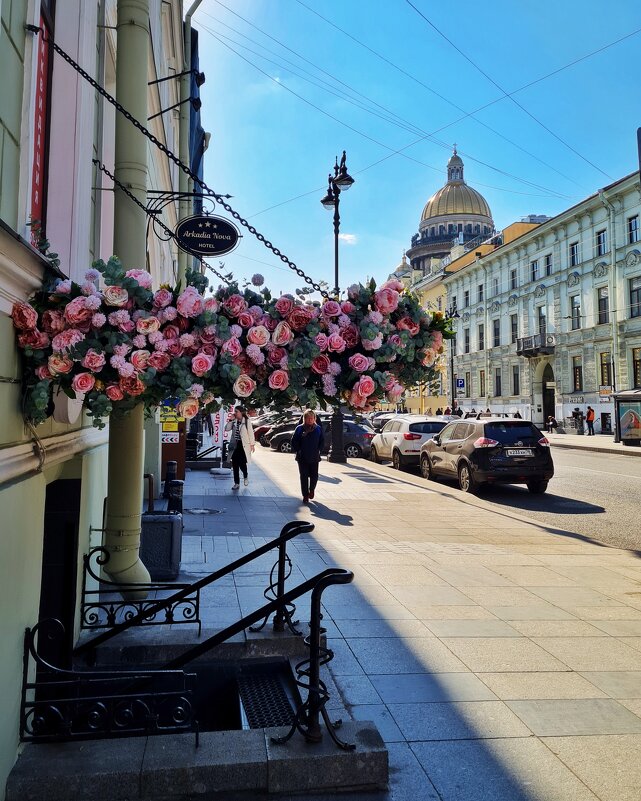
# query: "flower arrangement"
{"type": "Point", "coordinates": [115, 342]}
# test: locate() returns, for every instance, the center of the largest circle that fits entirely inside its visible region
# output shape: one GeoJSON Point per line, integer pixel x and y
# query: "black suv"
{"type": "Point", "coordinates": [489, 451]}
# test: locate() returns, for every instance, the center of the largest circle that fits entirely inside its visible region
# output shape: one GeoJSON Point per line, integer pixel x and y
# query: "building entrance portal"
{"type": "Point", "coordinates": [549, 392]}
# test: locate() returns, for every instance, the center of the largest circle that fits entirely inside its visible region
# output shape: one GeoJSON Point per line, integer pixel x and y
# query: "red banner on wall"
{"type": "Point", "coordinates": [38, 176]}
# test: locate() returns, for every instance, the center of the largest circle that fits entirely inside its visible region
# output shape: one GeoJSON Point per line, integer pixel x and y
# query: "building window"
{"type": "Point", "coordinates": [577, 374]}
{"type": "Point", "coordinates": [468, 385]}
{"type": "Point", "coordinates": [481, 336]}
{"type": "Point", "coordinates": [603, 300]}
{"type": "Point", "coordinates": [574, 254]}
{"type": "Point", "coordinates": [542, 319]}
{"type": "Point", "coordinates": [534, 270]}
{"type": "Point", "coordinates": [633, 229]}
{"type": "Point", "coordinates": [635, 297]}
{"type": "Point", "coordinates": [548, 263]}
{"type": "Point", "coordinates": [480, 293]}
{"type": "Point", "coordinates": [481, 383]}
{"type": "Point", "coordinates": [466, 298]}
{"type": "Point", "coordinates": [516, 380]}
{"type": "Point", "coordinates": [454, 303]}
{"type": "Point", "coordinates": [496, 333]}
{"type": "Point", "coordinates": [466, 340]}
{"type": "Point", "coordinates": [497, 382]}
{"type": "Point", "coordinates": [605, 365]}
{"type": "Point", "coordinates": [495, 286]}
{"type": "Point", "coordinates": [601, 242]}
{"type": "Point", "coordinates": [512, 279]}
{"type": "Point", "coordinates": [636, 367]}
{"type": "Point", "coordinates": [575, 312]}
{"type": "Point", "coordinates": [514, 328]}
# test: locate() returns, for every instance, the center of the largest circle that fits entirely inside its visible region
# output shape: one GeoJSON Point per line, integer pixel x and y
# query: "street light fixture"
{"type": "Point", "coordinates": [341, 181]}
{"type": "Point", "coordinates": [199, 77]}
{"type": "Point", "coordinates": [452, 314]}
{"type": "Point", "coordinates": [196, 104]}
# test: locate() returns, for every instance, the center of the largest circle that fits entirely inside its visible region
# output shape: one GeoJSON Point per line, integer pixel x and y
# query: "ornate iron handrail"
{"type": "Point", "coordinates": [283, 612]}
{"type": "Point", "coordinates": [104, 608]}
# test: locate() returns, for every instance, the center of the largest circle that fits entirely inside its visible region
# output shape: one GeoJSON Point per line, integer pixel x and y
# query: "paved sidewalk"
{"type": "Point", "coordinates": [501, 659]}
{"type": "Point", "coordinates": [601, 443]}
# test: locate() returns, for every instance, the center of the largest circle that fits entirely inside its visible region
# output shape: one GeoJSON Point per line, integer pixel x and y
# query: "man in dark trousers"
{"type": "Point", "coordinates": [308, 443]}
{"type": "Point", "coordinates": [589, 419]}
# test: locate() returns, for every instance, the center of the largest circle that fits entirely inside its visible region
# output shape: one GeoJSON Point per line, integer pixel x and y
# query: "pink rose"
{"type": "Point", "coordinates": [351, 336]}
{"type": "Point", "coordinates": [244, 386]}
{"type": "Point", "coordinates": [232, 346]}
{"type": "Point", "coordinates": [386, 300]}
{"type": "Point", "coordinates": [212, 305]}
{"type": "Point", "coordinates": [115, 296]}
{"type": "Point", "coordinates": [284, 305]}
{"type": "Point", "coordinates": [321, 364]}
{"type": "Point", "coordinates": [35, 339]}
{"type": "Point", "coordinates": [174, 348]}
{"type": "Point", "coordinates": [201, 364]}
{"type": "Point", "coordinates": [357, 401]}
{"type": "Point", "coordinates": [43, 372]}
{"type": "Point", "coordinates": [53, 322]}
{"type": "Point", "coordinates": [235, 304]}
{"type": "Point", "coordinates": [94, 361]}
{"type": "Point", "coordinates": [373, 344]}
{"type": "Point", "coordinates": [321, 341]}
{"type": "Point", "coordinates": [162, 298]}
{"type": "Point", "coordinates": [407, 324]}
{"type": "Point", "coordinates": [132, 385]}
{"type": "Point", "coordinates": [188, 408]}
{"type": "Point", "coordinates": [331, 308]}
{"type": "Point", "coordinates": [113, 392]}
{"type": "Point", "coordinates": [336, 343]}
{"type": "Point", "coordinates": [147, 325]}
{"type": "Point", "coordinates": [429, 358]}
{"type": "Point", "coordinates": [299, 318]}
{"type": "Point", "coordinates": [279, 379]}
{"type": "Point", "coordinates": [395, 393]}
{"type": "Point", "coordinates": [24, 316]}
{"type": "Point", "coordinates": [437, 340]}
{"type": "Point", "coordinates": [359, 362]}
{"type": "Point", "coordinates": [395, 339]}
{"type": "Point", "coordinates": [270, 323]}
{"type": "Point", "coordinates": [59, 364]}
{"type": "Point", "coordinates": [394, 284]}
{"type": "Point", "coordinates": [364, 386]}
{"type": "Point", "coordinates": [245, 319]}
{"type": "Point", "coordinates": [66, 339]}
{"type": "Point", "coordinates": [347, 307]}
{"type": "Point", "coordinates": [142, 276]}
{"type": "Point", "coordinates": [190, 303]}
{"type": "Point", "coordinates": [283, 334]}
{"type": "Point", "coordinates": [140, 359]}
{"type": "Point", "coordinates": [276, 355]}
{"type": "Point", "coordinates": [83, 382]}
{"type": "Point", "coordinates": [77, 312]}
{"type": "Point", "coordinates": [171, 332]}
{"type": "Point", "coordinates": [160, 361]}
{"type": "Point", "coordinates": [258, 335]}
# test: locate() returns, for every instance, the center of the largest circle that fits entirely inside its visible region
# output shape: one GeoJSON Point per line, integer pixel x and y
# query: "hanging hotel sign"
{"type": "Point", "coordinates": [205, 235]}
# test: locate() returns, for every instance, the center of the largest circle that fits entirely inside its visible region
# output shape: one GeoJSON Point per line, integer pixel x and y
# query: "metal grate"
{"type": "Point", "coordinates": [264, 701]}
{"type": "Point", "coordinates": [203, 511]}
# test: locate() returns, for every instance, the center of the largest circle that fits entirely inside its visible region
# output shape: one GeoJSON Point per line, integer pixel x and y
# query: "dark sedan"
{"type": "Point", "coordinates": [357, 439]}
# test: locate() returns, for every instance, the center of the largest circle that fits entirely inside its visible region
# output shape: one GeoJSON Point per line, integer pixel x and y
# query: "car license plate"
{"type": "Point", "coordinates": [519, 452]}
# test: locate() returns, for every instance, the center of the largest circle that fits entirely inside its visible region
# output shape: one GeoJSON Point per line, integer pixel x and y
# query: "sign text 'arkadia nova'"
{"type": "Point", "coordinates": [204, 235]}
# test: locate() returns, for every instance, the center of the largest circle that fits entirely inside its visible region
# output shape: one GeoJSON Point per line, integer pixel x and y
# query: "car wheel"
{"type": "Point", "coordinates": [373, 456]}
{"type": "Point", "coordinates": [466, 481]}
{"type": "Point", "coordinates": [264, 442]}
{"type": "Point", "coordinates": [285, 446]}
{"type": "Point", "coordinates": [426, 468]}
{"type": "Point", "coordinates": [397, 462]}
{"type": "Point", "coordinates": [537, 487]}
{"type": "Point", "coordinates": [353, 451]}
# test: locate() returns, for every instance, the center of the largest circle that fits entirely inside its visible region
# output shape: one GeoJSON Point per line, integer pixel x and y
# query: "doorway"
{"type": "Point", "coordinates": [60, 566]}
{"type": "Point", "coordinates": [549, 392]}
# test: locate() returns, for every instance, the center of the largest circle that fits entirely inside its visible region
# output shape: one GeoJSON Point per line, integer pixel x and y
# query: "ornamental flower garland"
{"type": "Point", "coordinates": [114, 342]}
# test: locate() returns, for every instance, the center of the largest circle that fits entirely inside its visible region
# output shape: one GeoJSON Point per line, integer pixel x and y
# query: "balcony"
{"type": "Point", "coordinates": [537, 345]}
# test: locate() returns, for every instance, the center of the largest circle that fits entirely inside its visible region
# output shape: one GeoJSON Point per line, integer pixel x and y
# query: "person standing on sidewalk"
{"type": "Point", "coordinates": [242, 444]}
{"type": "Point", "coordinates": [308, 443]}
{"type": "Point", "coordinates": [589, 419]}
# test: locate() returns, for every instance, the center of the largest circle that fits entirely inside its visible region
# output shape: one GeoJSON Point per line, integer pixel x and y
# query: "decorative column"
{"type": "Point", "coordinates": [126, 434]}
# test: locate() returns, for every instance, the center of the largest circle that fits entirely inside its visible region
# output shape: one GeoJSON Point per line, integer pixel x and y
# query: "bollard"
{"type": "Point", "coordinates": [170, 475]}
{"type": "Point", "coordinates": [175, 497]}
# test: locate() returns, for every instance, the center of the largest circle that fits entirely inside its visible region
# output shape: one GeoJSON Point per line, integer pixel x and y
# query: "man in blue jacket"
{"type": "Point", "coordinates": [308, 443]}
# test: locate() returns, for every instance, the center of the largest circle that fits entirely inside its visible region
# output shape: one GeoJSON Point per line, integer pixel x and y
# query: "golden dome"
{"type": "Point", "coordinates": [456, 197]}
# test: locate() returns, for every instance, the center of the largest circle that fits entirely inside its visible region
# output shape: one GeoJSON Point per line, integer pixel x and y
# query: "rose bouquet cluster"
{"type": "Point", "coordinates": [115, 342]}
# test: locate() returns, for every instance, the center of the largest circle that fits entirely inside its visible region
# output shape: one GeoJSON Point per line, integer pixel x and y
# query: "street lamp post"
{"type": "Point", "coordinates": [337, 183]}
{"type": "Point", "coordinates": [452, 314]}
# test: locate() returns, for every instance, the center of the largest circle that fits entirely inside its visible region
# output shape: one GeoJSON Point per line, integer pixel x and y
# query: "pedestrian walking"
{"type": "Point", "coordinates": [447, 411]}
{"type": "Point", "coordinates": [241, 444]}
{"type": "Point", "coordinates": [308, 443]}
{"type": "Point", "coordinates": [551, 424]}
{"type": "Point", "coordinates": [589, 419]}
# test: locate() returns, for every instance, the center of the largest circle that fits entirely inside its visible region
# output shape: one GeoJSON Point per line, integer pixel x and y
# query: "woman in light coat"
{"type": "Point", "coordinates": [242, 444]}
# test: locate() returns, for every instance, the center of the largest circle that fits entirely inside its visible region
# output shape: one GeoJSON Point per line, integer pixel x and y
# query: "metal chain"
{"type": "Point", "coordinates": [154, 214]}
{"type": "Point", "coordinates": [172, 157]}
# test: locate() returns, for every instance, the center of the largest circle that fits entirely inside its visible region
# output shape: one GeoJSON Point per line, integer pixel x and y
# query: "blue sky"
{"type": "Point", "coordinates": [269, 146]}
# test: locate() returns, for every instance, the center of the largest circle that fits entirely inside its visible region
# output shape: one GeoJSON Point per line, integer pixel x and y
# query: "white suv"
{"type": "Point", "coordinates": [401, 439]}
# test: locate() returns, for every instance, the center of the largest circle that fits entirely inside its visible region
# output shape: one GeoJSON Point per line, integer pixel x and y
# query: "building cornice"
{"type": "Point", "coordinates": [21, 268]}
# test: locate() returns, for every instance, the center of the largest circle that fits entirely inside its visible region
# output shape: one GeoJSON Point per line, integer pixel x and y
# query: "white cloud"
{"type": "Point", "coordinates": [348, 239]}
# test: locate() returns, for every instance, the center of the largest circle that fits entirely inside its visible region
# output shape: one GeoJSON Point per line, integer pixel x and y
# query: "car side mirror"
{"type": "Point", "coordinates": [436, 439]}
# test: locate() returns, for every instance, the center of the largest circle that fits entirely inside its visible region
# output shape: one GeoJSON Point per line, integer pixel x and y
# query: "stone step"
{"type": "Point", "coordinates": [226, 764]}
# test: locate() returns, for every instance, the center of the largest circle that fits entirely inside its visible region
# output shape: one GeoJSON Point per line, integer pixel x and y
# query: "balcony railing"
{"type": "Point", "coordinates": [536, 345]}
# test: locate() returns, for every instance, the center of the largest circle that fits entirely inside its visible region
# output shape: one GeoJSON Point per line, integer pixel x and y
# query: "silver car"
{"type": "Point", "coordinates": [401, 439]}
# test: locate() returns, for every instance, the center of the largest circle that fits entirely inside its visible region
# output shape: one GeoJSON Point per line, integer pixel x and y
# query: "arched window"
{"type": "Point", "coordinates": [477, 229]}
{"type": "Point", "coordinates": [441, 229]}
{"type": "Point", "coordinates": [433, 231]}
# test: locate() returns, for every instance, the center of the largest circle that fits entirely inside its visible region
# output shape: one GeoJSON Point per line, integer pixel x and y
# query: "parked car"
{"type": "Point", "coordinates": [402, 438]}
{"type": "Point", "coordinates": [489, 451]}
{"type": "Point", "coordinates": [357, 438]}
{"type": "Point", "coordinates": [379, 422]}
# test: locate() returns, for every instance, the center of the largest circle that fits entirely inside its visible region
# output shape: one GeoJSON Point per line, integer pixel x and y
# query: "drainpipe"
{"type": "Point", "coordinates": [184, 205]}
{"type": "Point", "coordinates": [613, 296]}
{"type": "Point", "coordinates": [126, 433]}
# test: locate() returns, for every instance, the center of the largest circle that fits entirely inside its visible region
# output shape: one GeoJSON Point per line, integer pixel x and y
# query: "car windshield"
{"type": "Point", "coordinates": [509, 432]}
{"type": "Point", "coordinates": [426, 428]}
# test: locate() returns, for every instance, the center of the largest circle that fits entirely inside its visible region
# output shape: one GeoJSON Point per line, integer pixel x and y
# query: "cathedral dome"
{"type": "Point", "coordinates": [457, 198]}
